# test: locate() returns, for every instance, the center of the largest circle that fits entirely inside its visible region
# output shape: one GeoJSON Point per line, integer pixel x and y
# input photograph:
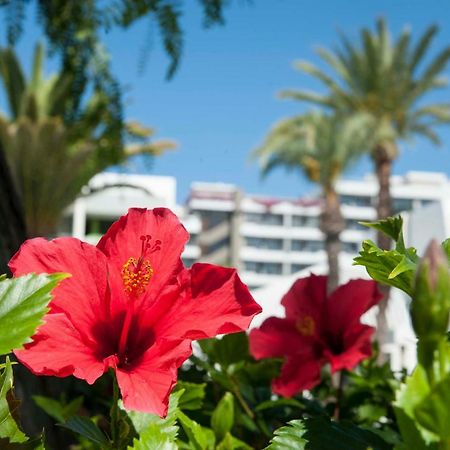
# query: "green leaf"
{"type": "Point", "coordinates": [269, 404]}
{"type": "Point", "coordinates": [411, 435]}
{"type": "Point", "coordinates": [9, 429]}
{"type": "Point", "coordinates": [392, 227]}
{"type": "Point", "coordinates": [230, 349]}
{"type": "Point", "coordinates": [446, 248]}
{"type": "Point", "coordinates": [154, 438]}
{"type": "Point", "coordinates": [393, 267]}
{"type": "Point", "coordinates": [168, 426]}
{"type": "Point", "coordinates": [324, 434]}
{"type": "Point", "coordinates": [86, 428]}
{"type": "Point", "coordinates": [226, 443]}
{"type": "Point", "coordinates": [409, 397]}
{"type": "Point", "coordinates": [388, 266]}
{"type": "Point", "coordinates": [222, 419]}
{"type": "Point", "coordinates": [59, 410]}
{"type": "Point", "coordinates": [413, 391]}
{"type": "Point", "coordinates": [370, 412]}
{"type": "Point", "coordinates": [34, 444]}
{"type": "Point", "coordinates": [289, 437]}
{"type": "Point", "coordinates": [200, 437]}
{"type": "Point", "coordinates": [23, 304]}
{"type": "Point", "coordinates": [193, 395]}
{"type": "Point", "coordinates": [433, 413]}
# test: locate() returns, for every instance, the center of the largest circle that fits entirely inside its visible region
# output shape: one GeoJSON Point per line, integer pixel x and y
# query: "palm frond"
{"type": "Point", "coordinates": [320, 146]}
{"type": "Point", "coordinates": [308, 96]}
{"type": "Point", "coordinates": [426, 132]}
{"type": "Point", "coordinates": [422, 47]}
{"type": "Point", "coordinates": [13, 80]}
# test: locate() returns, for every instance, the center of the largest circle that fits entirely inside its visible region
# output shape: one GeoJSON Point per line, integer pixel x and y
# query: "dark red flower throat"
{"type": "Point", "coordinates": [126, 339]}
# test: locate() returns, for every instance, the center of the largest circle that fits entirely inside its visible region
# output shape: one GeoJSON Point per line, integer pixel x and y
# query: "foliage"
{"type": "Point", "coordinates": [420, 401]}
{"type": "Point", "coordinates": [289, 437]}
{"type": "Point", "coordinates": [320, 146]}
{"type": "Point", "coordinates": [385, 79]}
{"type": "Point", "coordinates": [392, 267]}
{"type": "Point", "coordinates": [74, 29]}
{"type": "Point", "coordinates": [52, 155]}
{"type": "Point", "coordinates": [23, 303]}
{"type": "Point", "coordinates": [9, 427]}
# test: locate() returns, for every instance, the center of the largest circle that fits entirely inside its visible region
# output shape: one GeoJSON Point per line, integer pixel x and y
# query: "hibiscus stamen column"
{"type": "Point", "coordinates": [136, 275]}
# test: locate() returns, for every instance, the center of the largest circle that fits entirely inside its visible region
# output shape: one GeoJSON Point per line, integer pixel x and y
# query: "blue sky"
{"type": "Point", "coordinates": [222, 101]}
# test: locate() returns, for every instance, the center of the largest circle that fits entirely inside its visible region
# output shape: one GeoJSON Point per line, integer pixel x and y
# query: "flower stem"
{"type": "Point", "coordinates": [339, 394]}
{"type": "Point", "coordinates": [114, 412]}
{"type": "Point", "coordinates": [236, 391]}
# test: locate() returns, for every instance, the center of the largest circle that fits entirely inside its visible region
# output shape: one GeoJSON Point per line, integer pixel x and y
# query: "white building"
{"type": "Point", "coordinates": [265, 238]}
{"type": "Point", "coordinates": [270, 238]}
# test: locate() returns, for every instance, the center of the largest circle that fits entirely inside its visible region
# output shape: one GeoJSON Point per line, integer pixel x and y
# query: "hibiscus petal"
{"type": "Point", "coordinates": [83, 296]}
{"type": "Point", "coordinates": [275, 338]}
{"type": "Point", "coordinates": [123, 241]}
{"type": "Point", "coordinates": [58, 350]}
{"type": "Point", "coordinates": [357, 347]}
{"type": "Point", "coordinates": [297, 374]}
{"type": "Point", "coordinates": [147, 385]}
{"type": "Point", "coordinates": [349, 302]}
{"type": "Point", "coordinates": [306, 298]}
{"type": "Point", "coordinates": [214, 301]}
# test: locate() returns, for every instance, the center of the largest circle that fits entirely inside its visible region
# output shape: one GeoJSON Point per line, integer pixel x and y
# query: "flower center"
{"type": "Point", "coordinates": [137, 272]}
{"type": "Point", "coordinates": [306, 326]}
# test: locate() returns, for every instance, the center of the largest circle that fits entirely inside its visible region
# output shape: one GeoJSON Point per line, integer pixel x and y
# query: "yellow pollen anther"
{"type": "Point", "coordinates": [136, 274]}
{"type": "Point", "coordinates": [306, 325]}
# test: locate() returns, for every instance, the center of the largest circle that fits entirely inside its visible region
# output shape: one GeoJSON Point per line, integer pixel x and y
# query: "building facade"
{"type": "Point", "coordinates": [265, 238]}
{"type": "Point", "coordinates": [268, 238]}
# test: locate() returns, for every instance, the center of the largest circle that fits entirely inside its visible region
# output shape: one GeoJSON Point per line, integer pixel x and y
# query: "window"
{"type": "Point", "coordinates": [305, 221]}
{"type": "Point", "coordinates": [350, 247]}
{"type": "Point", "coordinates": [355, 200]}
{"type": "Point", "coordinates": [352, 224]}
{"type": "Point", "coordinates": [306, 246]}
{"type": "Point", "coordinates": [264, 219]}
{"type": "Point", "coordinates": [212, 218]}
{"type": "Point", "coordinates": [263, 267]}
{"type": "Point", "coordinates": [265, 243]}
{"type": "Point", "coordinates": [225, 242]}
{"type": "Point", "coordinates": [95, 225]}
{"type": "Point", "coordinates": [297, 267]}
{"type": "Point", "coordinates": [193, 239]}
{"type": "Point", "coordinates": [402, 204]}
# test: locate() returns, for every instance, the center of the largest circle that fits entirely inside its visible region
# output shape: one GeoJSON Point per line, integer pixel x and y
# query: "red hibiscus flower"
{"type": "Point", "coordinates": [130, 305]}
{"type": "Point", "coordinates": [318, 329]}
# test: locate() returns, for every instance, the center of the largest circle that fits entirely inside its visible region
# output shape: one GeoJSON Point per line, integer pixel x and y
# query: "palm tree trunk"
{"type": "Point", "coordinates": [332, 224]}
{"type": "Point", "coordinates": [383, 169]}
{"type": "Point", "coordinates": [12, 220]}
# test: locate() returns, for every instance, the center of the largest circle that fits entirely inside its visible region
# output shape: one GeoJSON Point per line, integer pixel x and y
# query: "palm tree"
{"type": "Point", "coordinates": [321, 147]}
{"type": "Point", "coordinates": [387, 80]}
{"type": "Point", "coordinates": [51, 156]}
